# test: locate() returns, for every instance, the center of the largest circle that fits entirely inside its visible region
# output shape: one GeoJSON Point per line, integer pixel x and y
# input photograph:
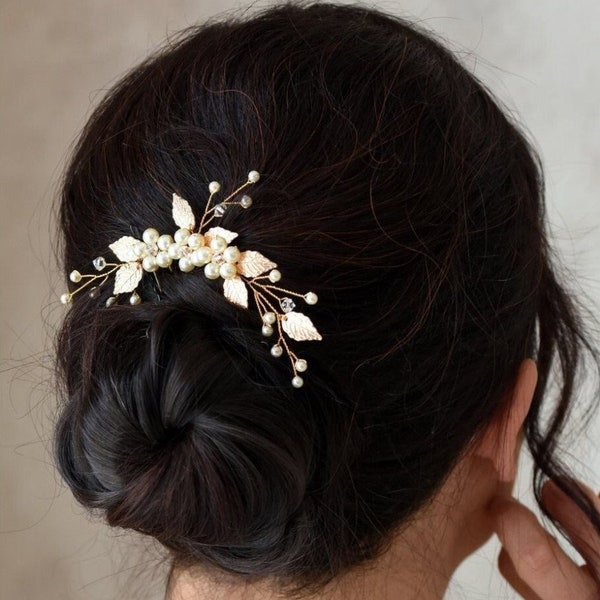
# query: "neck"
{"type": "Point", "coordinates": [417, 565]}
{"type": "Point", "coordinates": [388, 578]}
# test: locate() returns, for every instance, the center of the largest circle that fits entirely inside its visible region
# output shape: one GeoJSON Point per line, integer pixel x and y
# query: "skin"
{"type": "Point", "coordinates": [474, 503]}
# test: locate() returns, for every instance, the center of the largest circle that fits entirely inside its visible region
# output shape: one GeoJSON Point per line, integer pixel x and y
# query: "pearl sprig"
{"type": "Point", "coordinates": [210, 250]}
{"type": "Point", "coordinates": [270, 316]}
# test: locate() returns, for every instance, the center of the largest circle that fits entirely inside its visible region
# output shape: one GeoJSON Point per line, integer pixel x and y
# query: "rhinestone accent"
{"type": "Point", "coordinates": [220, 210]}
{"type": "Point", "coordinates": [287, 305]}
{"type": "Point", "coordinates": [218, 258]}
{"type": "Point", "coordinates": [99, 263]}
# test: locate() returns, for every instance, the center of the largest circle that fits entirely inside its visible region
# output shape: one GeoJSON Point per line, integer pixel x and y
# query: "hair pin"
{"type": "Point", "coordinates": [243, 272]}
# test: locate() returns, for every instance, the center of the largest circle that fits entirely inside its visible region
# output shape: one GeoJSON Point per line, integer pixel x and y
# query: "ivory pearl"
{"type": "Point", "coordinates": [75, 276]}
{"type": "Point", "coordinates": [301, 365]}
{"type": "Point", "coordinates": [269, 318]}
{"type": "Point", "coordinates": [246, 201]}
{"type": "Point", "coordinates": [214, 187]}
{"type": "Point", "coordinates": [253, 176]}
{"type": "Point", "coordinates": [297, 381]}
{"type": "Point", "coordinates": [231, 254]}
{"type": "Point", "coordinates": [195, 240]}
{"type": "Point", "coordinates": [274, 276]}
{"type": "Point", "coordinates": [311, 298]}
{"type": "Point", "coordinates": [150, 236]}
{"type": "Point", "coordinates": [276, 350]}
{"type": "Point", "coordinates": [201, 256]}
{"type": "Point", "coordinates": [149, 264]}
{"type": "Point", "coordinates": [218, 243]}
{"type": "Point", "coordinates": [65, 298]}
{"type": "Point", "coordinates": [135, 298]}
{"type": "Point", "coordinates": [181, 235]}
{"type": "Point", "coordinates": [267, 330]}
{"type": "Point", "coordinates": [175, 251]}
{"type": "Point", "coordinates": [227, 271]}
{"type": "Point", "coordinates": [211, 270]}
{"type": "Point", "coordinates": [164, 241]}
{"type": "Point", "coordinates": [140, 250]}
{"type": "Point", "coordinates": [163, 259]}
{"type": "Point", "coordinates": [185, 264]}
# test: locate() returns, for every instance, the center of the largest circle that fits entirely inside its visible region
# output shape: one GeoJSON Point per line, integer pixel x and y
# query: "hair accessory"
{"type": "Point", "coordinates": [241, 271]}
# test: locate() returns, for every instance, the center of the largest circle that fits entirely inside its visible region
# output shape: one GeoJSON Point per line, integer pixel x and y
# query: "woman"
{"type": "Point", "coordinates": [321, 317]}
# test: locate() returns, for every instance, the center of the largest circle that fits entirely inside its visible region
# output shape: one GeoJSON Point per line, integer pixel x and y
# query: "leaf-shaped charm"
{"type": "Point", "coordinates": [124, 248]}
{"type": "Point", "coordinates": [235, 291]}
{"type": "Point", "coordinates": [253, 264]}
{"type": "Point", "coordinates": [182, 213]}
{"type": "Point", "coordinates": [299, 327]}
{"type": "Point", "coordinates": [224, 233]}
{"type": "Point", "coordinates": [127, 277]}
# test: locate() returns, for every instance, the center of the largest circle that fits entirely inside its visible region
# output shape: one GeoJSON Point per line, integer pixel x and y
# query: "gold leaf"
{"type": "Point", "coordinates": [182, 213]}
{"type": "Point", "coordinates": [253, 264]}
{"type": "Point", "coordinates": [224, 233]}
{"type": "Point", "coordinates": [124, 248]}
{"type": "Point", "coordinates": [235, 291]}
{"type": "Point", "coordinates": [299, 327]}
{"type": "Point", "coordinates": [127, 277]}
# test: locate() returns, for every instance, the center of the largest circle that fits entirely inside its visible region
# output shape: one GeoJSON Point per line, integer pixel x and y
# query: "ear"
{"type": "Point", "coordinates": [501, 440]}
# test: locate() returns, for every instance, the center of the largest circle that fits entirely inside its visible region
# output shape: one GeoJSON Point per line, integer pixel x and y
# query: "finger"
{"type": "Point", "coordinates": [506, 567]}
{"type": "Point", "coordinates": [537, 558]}
{"type": "Point", "coordinates": [575, 523]}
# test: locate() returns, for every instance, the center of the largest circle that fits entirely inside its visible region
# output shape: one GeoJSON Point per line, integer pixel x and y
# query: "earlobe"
{"type": "Point", "coordinates": [502, 438]}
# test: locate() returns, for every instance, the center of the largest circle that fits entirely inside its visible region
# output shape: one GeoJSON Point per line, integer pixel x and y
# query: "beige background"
{"type": "Point", "coordinates": [57, 58]}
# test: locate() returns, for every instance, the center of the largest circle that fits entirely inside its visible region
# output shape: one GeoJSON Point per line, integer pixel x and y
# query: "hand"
{"type": "Point", "coordinates": [531, 559]}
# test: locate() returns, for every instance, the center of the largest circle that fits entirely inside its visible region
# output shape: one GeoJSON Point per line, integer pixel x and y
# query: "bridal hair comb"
{"type": "Point", "coordinates": [191, 248]}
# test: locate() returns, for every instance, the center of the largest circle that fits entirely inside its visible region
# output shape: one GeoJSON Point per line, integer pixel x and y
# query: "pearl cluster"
{"type": "Point", "coordinates": [191, 248]}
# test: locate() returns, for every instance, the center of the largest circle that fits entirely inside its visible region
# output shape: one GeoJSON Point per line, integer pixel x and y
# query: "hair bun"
{"type": "Point", "coordinates": [158, 433]}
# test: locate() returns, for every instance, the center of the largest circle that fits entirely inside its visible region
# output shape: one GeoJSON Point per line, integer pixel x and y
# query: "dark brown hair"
{"type": "Point", "coordinates": [395, 187]}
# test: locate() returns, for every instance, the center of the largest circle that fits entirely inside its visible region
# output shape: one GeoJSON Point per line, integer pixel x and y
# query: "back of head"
{"type": "Point", "coordinates": [393, 186]}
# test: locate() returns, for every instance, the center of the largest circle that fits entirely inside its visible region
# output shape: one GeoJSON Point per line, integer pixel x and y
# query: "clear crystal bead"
{"type": "Point", "coordinates": [287, 305]}
{"type": "Point", "coordinates": [99, 263]}
{"type": "Point", "coordinates": [220, 210]}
